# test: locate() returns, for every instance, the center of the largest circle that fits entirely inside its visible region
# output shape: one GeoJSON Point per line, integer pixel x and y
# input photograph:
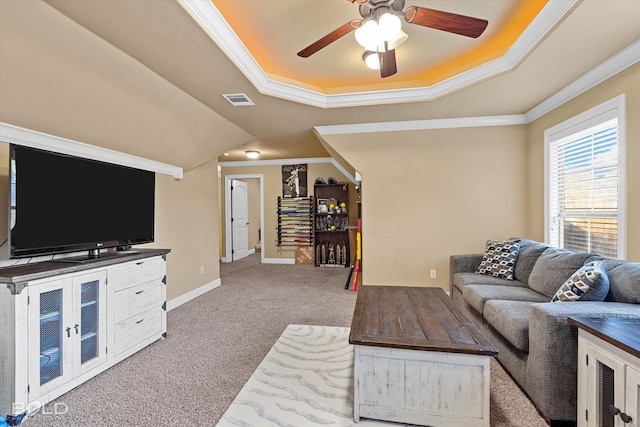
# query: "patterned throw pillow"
{"type": "Point", "coordinates": [589, 283]}
{"type": "Point", "coordinates": [499, 258]}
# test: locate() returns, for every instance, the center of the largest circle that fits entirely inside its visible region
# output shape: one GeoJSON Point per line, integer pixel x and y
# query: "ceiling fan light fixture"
{"type": "Point", "coordinates": [371, 59]}
{"type": "Point", "coordinates": [389, 26]}
{"type": "Point", "coordinates": [367, 34]}
{"type": "Point", "coordinates": [398, 40]}
{"type": "Point", "coordinates": [252, 154]}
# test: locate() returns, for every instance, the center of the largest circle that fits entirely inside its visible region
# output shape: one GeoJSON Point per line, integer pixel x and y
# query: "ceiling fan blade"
{"type": "Point", "coordinates": [329, 38]}
{"type": "Point", "coordinates": [387, 63]}
{"type": "Point", "coordinates": [446, 21]}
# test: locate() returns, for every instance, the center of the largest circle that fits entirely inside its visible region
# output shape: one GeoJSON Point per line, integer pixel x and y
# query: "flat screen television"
{"type": "Point", "coordinates": [61, 203]}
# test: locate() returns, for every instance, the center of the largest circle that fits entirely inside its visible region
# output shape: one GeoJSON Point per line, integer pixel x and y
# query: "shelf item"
{"type": "Point", "coordinates": [331, 225]}
{"type": "Point", "coordinates": [295, 221]}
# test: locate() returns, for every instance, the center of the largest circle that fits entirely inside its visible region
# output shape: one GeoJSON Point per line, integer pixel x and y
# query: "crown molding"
{"type": "Point", "coordinates": [620, 61]}
{"type": "Point", "coordinates": [463, 122]}
{"type": "Point", "coordinates": [280, 162]}
{"type": "Point", "coordinates": [34, 139]}
{"type": "Point", "coordinates": [214, 24]}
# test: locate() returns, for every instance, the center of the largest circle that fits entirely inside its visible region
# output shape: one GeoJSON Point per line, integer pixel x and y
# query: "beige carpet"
{"type": "Point", "coordinates": [215, 343]}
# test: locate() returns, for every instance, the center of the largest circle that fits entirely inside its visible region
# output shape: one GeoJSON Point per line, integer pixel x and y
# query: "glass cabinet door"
{"type": "Point", "coordinates": [51, 335]}
{"type": "Point", "coordinates": [89, 320]}
{"type": "Point", "coordinates": [89, 327]}
{"type": "Point", "coordinates": [48, 315]}
{"type": "Point", "coordinates": [632, 394]}
{"type": "Point", "coordinates": [606, 388]}
{"type": "Point", "coordinates": [70, 316]}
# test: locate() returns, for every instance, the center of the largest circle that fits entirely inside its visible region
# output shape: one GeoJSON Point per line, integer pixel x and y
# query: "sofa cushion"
{"type": "Point", "coordinates": [589, 283]}
{"type": "Point", "coordinates": [511, 320]}
{"type": "Point", "coordinates": [477, 295]}
{"type": "Point", "coordinates": [529, 253]}
{"type": "Point", "coordinates": [499, 258]}
{"type": "Point", "coordinates": [553, 268]}
{"type": "Point", "coordinates": [460, 280]}
{"type": "Point", "coordinates": [624, 281]}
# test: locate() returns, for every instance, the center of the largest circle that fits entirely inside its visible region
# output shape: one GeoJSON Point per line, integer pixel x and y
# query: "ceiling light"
{"type": "Point", "coordinates": [400, 38]}
{"type": "Point", "coordinates": [388, 26]}
{"type": "Point", "coordinates": [367, 35]}
{"type": "Point", "coordinates": [252, 154]}
{"type": "Point", "coordinates": [372, 34]}
{"type": "Point", "coordinates": [371, 59]}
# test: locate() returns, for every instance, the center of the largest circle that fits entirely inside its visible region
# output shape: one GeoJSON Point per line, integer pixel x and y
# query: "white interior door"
{"type": "Point", "coordinates": [239, 224]}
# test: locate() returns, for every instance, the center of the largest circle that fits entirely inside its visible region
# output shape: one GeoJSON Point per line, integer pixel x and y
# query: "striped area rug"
{"type": "Point", "coordinates": [306, 379]}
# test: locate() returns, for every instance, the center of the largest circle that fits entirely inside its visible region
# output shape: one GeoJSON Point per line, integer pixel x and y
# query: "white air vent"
{"type": "Point", "coordinates": [238, 99]}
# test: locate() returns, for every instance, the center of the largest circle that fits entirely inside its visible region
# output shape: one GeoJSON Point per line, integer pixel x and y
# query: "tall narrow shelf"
{"type": "Point", "coordinates": [331, 225]}
{"type": "Point", "coordinates": [295, 221]}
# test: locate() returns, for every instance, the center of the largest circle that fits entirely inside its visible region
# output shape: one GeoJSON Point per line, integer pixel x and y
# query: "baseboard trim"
{"type": "Point", "coordinates": [278, 260]}
{"type": "Point", "coordinates": [184, 298]}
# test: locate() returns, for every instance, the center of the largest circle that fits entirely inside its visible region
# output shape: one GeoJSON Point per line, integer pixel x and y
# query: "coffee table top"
{"type": "Point", "coordinates": [414, 318]}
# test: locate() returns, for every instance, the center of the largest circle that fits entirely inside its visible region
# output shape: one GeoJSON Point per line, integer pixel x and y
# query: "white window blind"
{"type": "Point", "coordinates": [583, 203]}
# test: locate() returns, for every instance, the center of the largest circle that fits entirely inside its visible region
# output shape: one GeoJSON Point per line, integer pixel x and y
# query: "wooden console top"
{"type": "Point", "coordinates": [24, 273]}
{"type": "Point", "coordinates": [414, 318]}
{"type": "Point", "coordinates": [619, 332]}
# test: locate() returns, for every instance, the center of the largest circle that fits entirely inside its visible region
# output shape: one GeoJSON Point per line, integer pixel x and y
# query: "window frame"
{"type": "Point", "coordinates": [614, 108]}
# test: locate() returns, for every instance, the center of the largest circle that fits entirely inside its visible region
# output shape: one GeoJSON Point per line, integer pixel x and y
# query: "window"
{"type": "Point", "coordinates": [584, 181]}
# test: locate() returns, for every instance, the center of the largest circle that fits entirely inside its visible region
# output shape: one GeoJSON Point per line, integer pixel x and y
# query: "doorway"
{"type": "Point", "coordinates": [243, 222]}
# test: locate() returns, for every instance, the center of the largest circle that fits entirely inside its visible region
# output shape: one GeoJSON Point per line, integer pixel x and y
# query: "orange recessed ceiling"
{"type": "Point", "coordinates": [272, 31]}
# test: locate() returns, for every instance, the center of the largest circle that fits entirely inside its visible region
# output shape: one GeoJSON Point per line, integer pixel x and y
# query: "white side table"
{"type": "Point", "coordinates": [608, 371]}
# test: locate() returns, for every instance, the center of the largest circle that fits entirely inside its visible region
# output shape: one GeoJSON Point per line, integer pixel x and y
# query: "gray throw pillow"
{"type": "Point", "coordinates": [499, 258]}
{"type": "Point", "coordinates": [589, 283]}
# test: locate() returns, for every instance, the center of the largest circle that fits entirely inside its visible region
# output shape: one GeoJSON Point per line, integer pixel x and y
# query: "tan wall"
{"type": "Point", "coordinates": [627, 82]}
{"type": "Point", "coordinates": [429, 194]}
{"type": "Point", "coordinates": [272, 189]}
{"type": "Point", "coordinates": [187, 222]}
{"type": "Point", "coordinates": [77, 86]}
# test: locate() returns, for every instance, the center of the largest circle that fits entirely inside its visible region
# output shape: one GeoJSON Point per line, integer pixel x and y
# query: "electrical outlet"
{"type": "Point", "coordinates": [433, 274]}
{"type": "Point", "coordinates": [202, 269]}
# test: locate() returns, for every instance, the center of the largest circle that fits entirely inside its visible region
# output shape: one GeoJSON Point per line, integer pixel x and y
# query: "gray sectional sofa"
{"type": "Point", "coordinates": [536, 344]}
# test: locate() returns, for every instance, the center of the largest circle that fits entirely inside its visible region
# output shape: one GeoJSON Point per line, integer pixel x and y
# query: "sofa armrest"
{"type": "Point", "coordinates": [553, 352]}
{"type": "Point", "coordinates": [465, 263]}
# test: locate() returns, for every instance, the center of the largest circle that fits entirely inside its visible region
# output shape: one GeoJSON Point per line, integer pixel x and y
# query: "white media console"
{"type": "Point", "coordinates": [63, 323]}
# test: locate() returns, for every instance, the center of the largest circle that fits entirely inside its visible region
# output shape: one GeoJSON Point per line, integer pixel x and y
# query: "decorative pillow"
{"type": "Point", "coordinates": [589, 283]}
{"type": "Point", "coordinates": [499, 258]}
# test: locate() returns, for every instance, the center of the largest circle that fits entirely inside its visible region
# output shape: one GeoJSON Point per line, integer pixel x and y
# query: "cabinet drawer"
{"type": "Point", "coordinates": [136, 299]}
{"type": "Point", "coordinates": [136, 273]}
{"type": "Point", "coordinates": [136, 329]}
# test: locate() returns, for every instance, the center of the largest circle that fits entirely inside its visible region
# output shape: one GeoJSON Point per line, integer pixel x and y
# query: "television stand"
{"type": "Point", "coordinates": [94, 255]}
{"type": "Point", "coordinates": [117, 303]}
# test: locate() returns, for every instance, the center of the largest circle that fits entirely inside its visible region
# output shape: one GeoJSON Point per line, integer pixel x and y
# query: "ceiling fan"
{"type": "Point", "coordinates": [380, 30]}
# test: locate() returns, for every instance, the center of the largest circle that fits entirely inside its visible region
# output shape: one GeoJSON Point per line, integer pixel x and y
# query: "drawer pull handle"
{"type": "Point", "coordinates": [140, 321]}
{"type": "Point", "coordinates": [140, 263]}
{"type": "Point", "coordinates": [139, 292]}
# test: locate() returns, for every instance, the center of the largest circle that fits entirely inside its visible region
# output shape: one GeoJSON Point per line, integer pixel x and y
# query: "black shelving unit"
{"type": "Point", "coordinates": [331, 225]}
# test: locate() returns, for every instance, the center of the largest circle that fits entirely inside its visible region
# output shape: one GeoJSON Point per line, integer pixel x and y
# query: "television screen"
{"type": "Point", "coordinates": [61, 203]}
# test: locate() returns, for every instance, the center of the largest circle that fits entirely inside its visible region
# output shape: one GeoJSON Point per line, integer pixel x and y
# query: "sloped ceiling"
{"type": "Point", "coordinates": [165, 38]}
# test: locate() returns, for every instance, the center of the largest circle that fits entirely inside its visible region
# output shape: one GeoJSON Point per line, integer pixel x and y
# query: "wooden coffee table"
{"type": "Point", "coordinates": [418, 359]}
